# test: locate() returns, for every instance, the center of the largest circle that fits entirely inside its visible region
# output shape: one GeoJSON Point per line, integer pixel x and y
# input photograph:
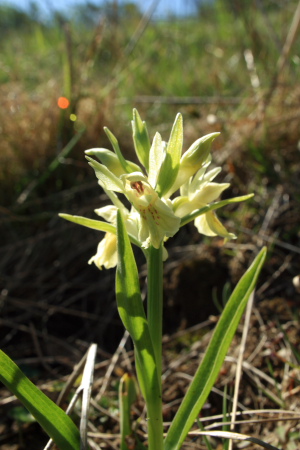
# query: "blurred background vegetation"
{"type": "Point", "coordinates": [224, 68]}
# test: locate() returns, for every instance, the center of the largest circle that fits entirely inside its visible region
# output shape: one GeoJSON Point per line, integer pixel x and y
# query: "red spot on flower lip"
{"type": "Point", "coordinates": [138, 186]}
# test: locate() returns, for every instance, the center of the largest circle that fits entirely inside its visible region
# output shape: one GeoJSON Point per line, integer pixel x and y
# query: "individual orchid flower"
{"type": "Point", "coordinates": [193, 160]}
{"type": "Point", "coordinates": [151, 208]}
{"type": "Point", "coordinates": [197, 193]}
{"type": "Point", "coordinates": [106, 255]}
{"type": "Point", "coordinates": [158, 221]}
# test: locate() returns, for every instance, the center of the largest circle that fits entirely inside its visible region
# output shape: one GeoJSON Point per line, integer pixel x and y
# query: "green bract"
{"type": "Point", "coordinates": [156, 212]}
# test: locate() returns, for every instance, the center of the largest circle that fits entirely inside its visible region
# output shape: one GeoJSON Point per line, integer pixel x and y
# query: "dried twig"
{"type": "Point", "coordinates": [112, 365]}
{"type": "Point", "coordinates": [71, 380]}
{"type": "Point", "coordinates": [238, 436]}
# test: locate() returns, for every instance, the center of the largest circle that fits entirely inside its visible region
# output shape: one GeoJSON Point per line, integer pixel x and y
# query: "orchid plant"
{"type": "Point", "coordinates": [167, 190]}
{"type": "Point", "coordinates": [155, 216]}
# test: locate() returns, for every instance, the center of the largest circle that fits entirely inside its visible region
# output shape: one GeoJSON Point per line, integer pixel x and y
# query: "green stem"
{"type": "Point", "coordinates": [154, 410]}
{"type": "Point", "coordinates": [155, 302]}
{"type": "Point", "coordinates": [154, 312]}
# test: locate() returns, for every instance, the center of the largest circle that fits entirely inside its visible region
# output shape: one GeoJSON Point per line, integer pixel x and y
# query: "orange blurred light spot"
{"type": "Point", "coordinates": [63, 102]}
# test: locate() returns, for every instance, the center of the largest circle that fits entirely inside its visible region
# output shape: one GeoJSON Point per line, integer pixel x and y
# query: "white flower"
{"type": "Point", "coordinates": [158, 221]}
{"type": "Point", "coordinates": [106, 255]}
{"type": "Point", "coordinates": [197, 193]}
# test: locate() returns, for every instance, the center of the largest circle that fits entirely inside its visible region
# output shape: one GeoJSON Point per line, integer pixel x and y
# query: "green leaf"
{"type": "Point", "coordinates": [215, 354]}
{"type": "Point", "coordinates": [170, 166]}
{"type": "Point", "coordinates": [128, 166]}
{"type": "Point", "coordinates": [107, 179]}
{"type": "Point", "coordinates": [141, 139]}
{"type": "Point", "coordinates": [132, 313]}
{"type": "Point", "coordinates": [96, 225]}
{"type": "Point", "coordinates": [52, 419]}
{"type": "Point", "coordinates": [89, 223]}
{"type": "Point", "coordinates": [130, 305]}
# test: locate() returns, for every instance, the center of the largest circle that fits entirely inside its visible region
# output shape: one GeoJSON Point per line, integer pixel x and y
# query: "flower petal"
{"type": "Point", "coordinates": [209, 225]}
{"type": "Point", "coordinates": [109, 213]}
{"type": "Point", "coordinates": [202, 178]}
{"type": "Point", "coordinates": [209, 193]}
{"type": "Point", "coordinates": [156, 158]}
{"type": "Point", "coordinates": [192, 160]}
{"type": "Point", "coordinates": [106, 178]}
{"type": "Point", "coordinates": [106, 255]}
{"type": "Point", "coordinates": [209, 176]}
{"type": "Point", "coordinates": [182, 206]}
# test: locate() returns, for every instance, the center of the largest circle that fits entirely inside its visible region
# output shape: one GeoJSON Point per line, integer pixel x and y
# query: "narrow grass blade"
{"type": "Point", "coordinates": [96, 225]}
{"type": "Point", "coordinates": [51, 168]}
{"type": "Point", "coordinates": [51, 417]}
{"type": "Point", "coordinates": [215, 354]}
{"type": "Point", "coordinates": [127, 396]}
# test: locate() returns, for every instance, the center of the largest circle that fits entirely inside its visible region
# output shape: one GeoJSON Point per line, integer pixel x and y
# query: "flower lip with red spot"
{"type": "Point", "coordinates": [158, 220]}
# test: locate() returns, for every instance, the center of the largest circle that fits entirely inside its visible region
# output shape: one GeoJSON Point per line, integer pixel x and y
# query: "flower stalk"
{"type": "Point", "coordinates": [155, 323]}
{"type": "Point", "coordinates": [155, 302]}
